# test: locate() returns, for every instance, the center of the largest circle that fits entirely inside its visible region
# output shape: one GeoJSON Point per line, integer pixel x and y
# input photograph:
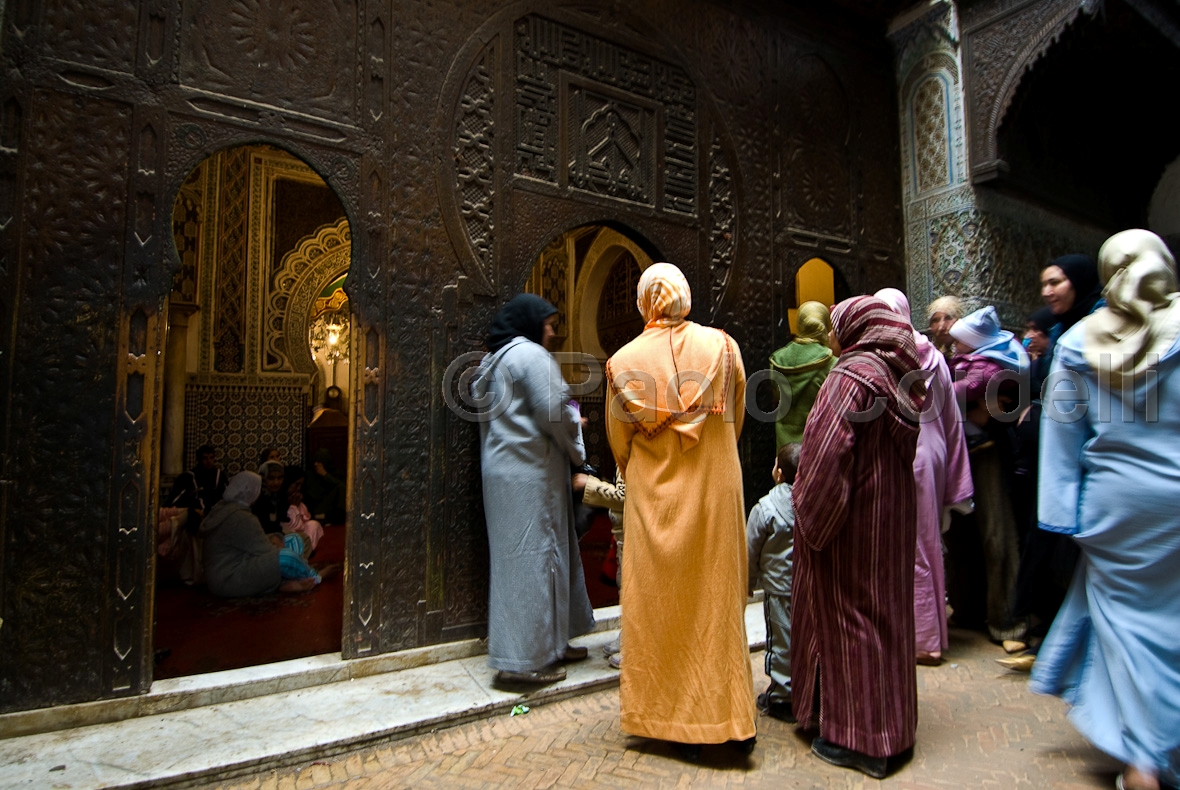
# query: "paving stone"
{"type": "Point", "coordinates": [979, 727]}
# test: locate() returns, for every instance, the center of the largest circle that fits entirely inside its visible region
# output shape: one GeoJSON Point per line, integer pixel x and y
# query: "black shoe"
{"type": "Point", "coordinates": [746, 746]}
{"type": "Point", "coordinates": [689, 752]}
{"type": "Point", "coordinates": [783, 711]}
{"type": "Point", "coordinates": [847, 758]}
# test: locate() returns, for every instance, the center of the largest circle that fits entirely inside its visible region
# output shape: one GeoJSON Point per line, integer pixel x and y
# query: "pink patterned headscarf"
{"type": "Point", "coordinates": [663, 298]}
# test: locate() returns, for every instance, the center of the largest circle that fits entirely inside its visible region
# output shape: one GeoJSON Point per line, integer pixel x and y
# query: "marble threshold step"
{"type": "Point", "coordinates": [227, 724]}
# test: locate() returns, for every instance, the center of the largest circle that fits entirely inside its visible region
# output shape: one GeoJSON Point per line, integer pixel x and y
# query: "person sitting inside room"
{"type": "Point", "coordinates": [271, 507]}
{"type": "Point", "coordinates": [242, 560]}
{"type": "Point", "coordinates": [200, 488]}
{"type": "Point", "coordinates": [323, 490]}
{"type": "Point", "coordinates": [298, 518]}
{"type": "Point", "coordinates": [270, 454]}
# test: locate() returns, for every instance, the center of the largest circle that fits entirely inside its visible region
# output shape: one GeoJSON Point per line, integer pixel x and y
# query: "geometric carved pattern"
{"type": "Point", "coordinates": [931, 128]}
{"type": "Point", "coordinates": [186, 233]}
{"type": "Point", "coordinates": [475, 160]}
{"type": "Point", "coordinates": [63, 401]}
{"type": "Point", "coordinates": [230, 318]}
{"type": "Point", "coordinates": [611, 144]}
{"type": "Point", "coordinates": [819, 156]}
{"type": "Point", "coordinates": [304, 273]}
{"type": "Point", "coordinates": [92, 32]}
{"type": "Point", "coordinates": [996, 54]}
{"type": "Point", "coordinates": [554, 270]}
{"type": "Point", "coordinates": [722, 225]}
{"type": "Point", "coordinates": [241, 420]}
{"type": "Point", "coordinates": [603, 121]}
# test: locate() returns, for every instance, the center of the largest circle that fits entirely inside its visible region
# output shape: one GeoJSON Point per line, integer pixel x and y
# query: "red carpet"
{"type": "Point", "coordinates": [203, 633]}
{"type": "Point", "coordinates": [595, 545]}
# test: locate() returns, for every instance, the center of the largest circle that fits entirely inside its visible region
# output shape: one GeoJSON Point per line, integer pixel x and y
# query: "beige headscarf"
{"type": "Point", "coordinates": [1141, 319]}
{"type": "Point", "coordinates": [663, 296]}
{"type": "Point", "coordinates": [814, 323]}
{"type": "Point", "coordinates": [945, 304]}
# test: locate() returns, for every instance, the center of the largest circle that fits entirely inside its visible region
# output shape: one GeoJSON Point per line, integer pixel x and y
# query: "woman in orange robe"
{"type": "Point", "coordinates": [686, 673]}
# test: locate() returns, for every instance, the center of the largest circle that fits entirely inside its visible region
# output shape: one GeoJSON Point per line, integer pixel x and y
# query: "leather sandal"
{"type": "Point", "coordinates": [575, 653]}
{"type": "Point", "coordinates": [536, 676]}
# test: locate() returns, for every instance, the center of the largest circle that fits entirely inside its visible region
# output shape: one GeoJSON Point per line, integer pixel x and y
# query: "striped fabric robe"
{"type": "Point", "coordinates": [852, 631]}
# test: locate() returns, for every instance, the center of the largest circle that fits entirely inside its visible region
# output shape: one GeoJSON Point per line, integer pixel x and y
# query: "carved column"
{"type": "Point", "coordinates": [956, 78]}
{"type": "Point", "coordinates": [175, 375]}
{"type": "Point", "coordinates": [938, 200]}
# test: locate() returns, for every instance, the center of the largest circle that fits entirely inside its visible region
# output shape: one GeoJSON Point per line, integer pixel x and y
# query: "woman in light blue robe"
{"type": "Point", "coordinates": [530, 437]}
{"type": "Point", "coordinates": [1110, 476]}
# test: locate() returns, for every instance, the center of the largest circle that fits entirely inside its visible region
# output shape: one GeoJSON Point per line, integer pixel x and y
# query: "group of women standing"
{"type": "Point", "coordinates": [879, 446]}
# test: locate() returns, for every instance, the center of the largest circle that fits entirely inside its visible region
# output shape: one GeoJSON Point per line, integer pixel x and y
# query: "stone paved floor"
{"type": "Point", "coordinates": [979, 727]}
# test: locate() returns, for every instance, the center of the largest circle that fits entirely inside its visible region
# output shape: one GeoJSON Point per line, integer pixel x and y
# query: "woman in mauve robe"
{"type": "Point", "coordinates": [852, 629]}
{"type": "Point", "coordinates": [942, 473]}
{"type": "Point", "coordinates": [686, 671]}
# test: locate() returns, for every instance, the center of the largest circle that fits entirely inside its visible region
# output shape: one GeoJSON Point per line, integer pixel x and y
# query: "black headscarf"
{"type": "Point", "coordinates": [1043, 319]}
{"type": "Point", "coordinates": [523, 316]}
{"type": "Point", "coordinates": [1082, 272]}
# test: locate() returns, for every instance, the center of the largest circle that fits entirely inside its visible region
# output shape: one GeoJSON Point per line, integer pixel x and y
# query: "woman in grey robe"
{"type": "Point", "coordinates": [242, 560]}
{"type": "Point", "coordinates": [530, 436]}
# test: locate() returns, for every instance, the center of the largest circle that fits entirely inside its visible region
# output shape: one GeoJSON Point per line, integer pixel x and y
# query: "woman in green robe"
{"type": "Point", "coordinates": [804, 363]}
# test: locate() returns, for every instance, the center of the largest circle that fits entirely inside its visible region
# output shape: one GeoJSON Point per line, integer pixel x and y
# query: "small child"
{"type": "Point", "coordinates": [770, 540]}
{"type": "Point", "coordinates": [600, 493]}
{"type": "Point", "coordinates": [983, 351]}
{"type": "Point", "coordinates": [298, 517]}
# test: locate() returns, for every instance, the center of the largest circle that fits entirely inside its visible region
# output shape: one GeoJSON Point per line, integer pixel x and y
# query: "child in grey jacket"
{"type": "Point", "coordinates": [770, 539]}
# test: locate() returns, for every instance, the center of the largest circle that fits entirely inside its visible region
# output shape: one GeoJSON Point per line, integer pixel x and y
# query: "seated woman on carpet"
{"type": "Point", "coordinates": [271, 506]}
{"type": "Point", "coordinates": [242, 560]}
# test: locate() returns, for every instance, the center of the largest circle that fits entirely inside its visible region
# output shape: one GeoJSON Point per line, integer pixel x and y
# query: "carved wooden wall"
{"type": "Point", "coordinates": [736, 143]}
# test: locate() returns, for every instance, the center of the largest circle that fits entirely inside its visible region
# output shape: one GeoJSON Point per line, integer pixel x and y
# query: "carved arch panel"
{"type": "Point", "coordinates": [997, 52]}
{"type": "Point", "coordinates": [302, 276]}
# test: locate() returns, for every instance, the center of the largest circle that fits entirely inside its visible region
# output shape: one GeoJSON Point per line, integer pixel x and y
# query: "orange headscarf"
{"type": "Point", "coordinates": [676, 372]}
{"type": "Point", "coordinates": [663, 297]}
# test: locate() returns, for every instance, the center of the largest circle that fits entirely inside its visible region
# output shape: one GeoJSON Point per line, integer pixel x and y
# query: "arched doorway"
{"type": "Point", "coordinates": [814, 282]}
{"type": "Point", "coordinates": [257, 363]}
{"type": "Point", "coordinates": [590, 273]}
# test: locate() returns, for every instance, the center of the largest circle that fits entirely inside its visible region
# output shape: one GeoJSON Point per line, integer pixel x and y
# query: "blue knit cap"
{"type": "Point", "coordinates": [981, 332]}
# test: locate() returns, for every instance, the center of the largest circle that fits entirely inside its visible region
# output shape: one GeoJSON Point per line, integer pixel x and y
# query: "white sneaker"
{"type": "Point", "coordinates": [611, 647]}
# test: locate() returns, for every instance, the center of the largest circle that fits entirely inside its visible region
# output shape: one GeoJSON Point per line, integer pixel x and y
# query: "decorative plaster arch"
{"type": "Point", "coordinates": [997, 55]}
{"type": "Point", "coordinates": [606, 248]}
{"type": "Point", "coordinates": [304, 273]}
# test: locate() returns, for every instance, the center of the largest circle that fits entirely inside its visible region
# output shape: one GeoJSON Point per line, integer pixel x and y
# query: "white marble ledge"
{"type": "Point", "coordinates": [212, 688]}
{"type": "Point", "coordinates": [227, 739]}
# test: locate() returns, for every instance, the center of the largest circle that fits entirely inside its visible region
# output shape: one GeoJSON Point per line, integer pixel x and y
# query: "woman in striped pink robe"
{"type": "Point", "coordinates": [852, 630]}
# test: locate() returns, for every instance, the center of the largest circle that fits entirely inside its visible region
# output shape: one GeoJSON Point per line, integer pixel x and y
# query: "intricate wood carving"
{"type": "Point", "coordinates": [95, 34]}
{"type": "Point", "coordinates": [818, 154]}
{"type": "Point", "coordinates": [63, 397]}
{"type": "Point", "coordinates": [249, 49]}
{"type": "Point", "coordinates": [723, 229]}
{"type": "Point", "coordinates": [98, 139]}
{"type": "Point", "coordinates": [475, 163]}
{"type": "Point", "coordinates": [617, 124]}
{"type": "Point", "coordinates": [1001, 41]}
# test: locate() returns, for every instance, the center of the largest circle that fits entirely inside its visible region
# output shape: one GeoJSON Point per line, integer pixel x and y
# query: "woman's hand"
{"type": "Point", "coordinates": [579, 481]}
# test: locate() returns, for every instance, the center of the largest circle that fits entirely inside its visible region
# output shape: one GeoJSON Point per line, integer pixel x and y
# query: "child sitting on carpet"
{"type": "Point", "coordinates": [298, 517]}
{"type": "Point", "coordinates": [770, 543]}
